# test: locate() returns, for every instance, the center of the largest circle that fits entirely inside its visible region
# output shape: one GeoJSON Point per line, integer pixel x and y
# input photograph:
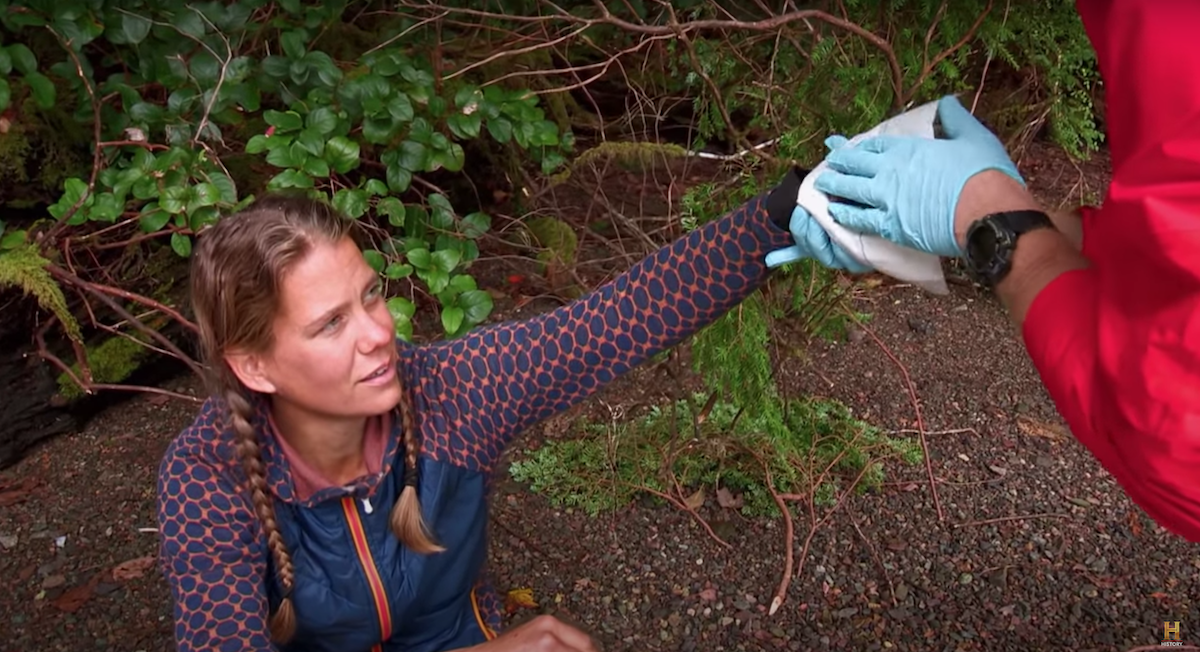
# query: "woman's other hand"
{"type": "Point", "coordinates": [542, 634]}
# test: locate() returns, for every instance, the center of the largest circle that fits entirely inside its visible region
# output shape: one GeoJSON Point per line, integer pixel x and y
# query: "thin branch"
{"type": "Point", "coordinates": [96, 126]}
{"type": "Point", "coordinates": [103, 294]}
{"type": "Point", "coordinates": [1002, 519]}
{"type": "Point", "coordinates": [912, 393]}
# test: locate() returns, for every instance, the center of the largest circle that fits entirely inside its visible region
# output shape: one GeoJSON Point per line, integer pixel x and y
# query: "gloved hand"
{"type": "Point", "coordinates": [907, 187]}
{"type": "Point", "coordinates": [813, 242]}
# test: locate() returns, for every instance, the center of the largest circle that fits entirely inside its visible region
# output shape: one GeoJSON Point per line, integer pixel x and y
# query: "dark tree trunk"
{"type": "Point", "coordinates": [27, 413]}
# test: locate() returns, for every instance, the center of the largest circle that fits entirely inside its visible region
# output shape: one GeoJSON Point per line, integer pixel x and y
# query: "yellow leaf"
{"type": "Point", "coordinates": [696, 500]}
{"type": "Point", "coordinates": [519, 599]}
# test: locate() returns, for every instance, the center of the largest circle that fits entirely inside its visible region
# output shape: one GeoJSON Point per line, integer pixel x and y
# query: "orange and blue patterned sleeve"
{"type": "Point", "coordinates": [211, 550]}
{"type": "Point", "coordinates": [482, 389]}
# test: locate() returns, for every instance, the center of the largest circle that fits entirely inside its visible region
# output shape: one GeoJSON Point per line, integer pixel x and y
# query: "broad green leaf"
{"type": "Point", "coordinates": [445, 259]}
{"type": "Point", "coordinates": [413, 156]}
{"type": "Point", "coordinates": [188, 21]}
{"type": "Point", "coordinates": [146, 112]}
{"type": "Point", "coordinates": [467, 96]}
{"type": "Point", "coordinates": [453, 158]}
{"type": "Point", "coordinates": [419, 258]}
{"type": "Point", "coordinates": [463, 126]}
{"type": "Point", "coordinates": [397, 271]}
{"type": "Point", "coordinates": [322, 120]}
{"type": "Point", "coordinates": [374, 259]}
{"type": "Point", "coordinates": [152, 221]}
{"type": "Point", "coordinates": [225, 185]}
{"type": "Point", "coordinates": [290, 179]}
{"type": "Point", "coordinates": [203, 194]}
{"type": "Point", "coordinates": [202, 217]}
{"type": "Point", "coordinates": [42, 89]}
{"type": "Point", "coordinates": [282, 157]}
{"type": "Point", "coordinates": [386, 64]}
{"type": "Point", "coordinates": [401, 308]}
{"type": "Point", "coordinates": [402, 311]}
{"type": "Point", "coordinates": [401, 108]}
{"type": "Point", "coordinates": [442, 214]}
{"type": "Point", "coordinates": [145, 187]}
{"type": "Point", "coordinates": [393, 209]}
{"type": "Point", "coordinates": [205, 68]}
{"type": "Point", "coordinates": [174, 199]}
{"type": "Point", "coordinates": [398, 178]}
{"type": "Point", "coordinates": [257, 144]}
{"type": "Point", "coordinates": [22, 58]}
{"type": "Point", "coordinates": [475, 224]}
{"type": "Point", "coordinates": [436, 280]}
{"type": "Point", "coordinates": [551, 162]}
{"type": "Point", "coordinates": [106, 208]}
{"type": "Point", "coordinates": [462, 283]}
{"type": "Point", "coordinates": [6, 62]}
{"type": "Point", "coordinates": [13, 239]}
{"type": "Point", "coordinates": [293, 43]}
{"type": "Point", "coordinates": [342, 154]}
{"type": "Point", "coordinates": [316, 167]}
{"type": "Point", "coordinates": [312, 142]}
{"type": "Point", "coordinates": [378, 130]}
{"type": "Point", "coordinates": [353, 203]}
{"type": "Point", "coordinates": [437, 106]}
{"type": "Point", "coordinates": [477, 305]}
{"type": "Point", "coordinates": [5, 94]}
{"type": "Point", "coordinates": [181, 244]}
{"type": "Point", "coordinates": [376, 187]}
{"type": "Point", "coordinates": [452, 318]}
{"type": "Point", "coordinates": [284, 120]}
{"type": "Point", "coordinates": [544, 133]}
{"type": "Point", "coordinates": [500, 129]}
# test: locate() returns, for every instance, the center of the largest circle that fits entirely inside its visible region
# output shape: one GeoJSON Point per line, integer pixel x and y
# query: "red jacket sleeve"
{"type": "Point", "coordinates": [1118, 344]}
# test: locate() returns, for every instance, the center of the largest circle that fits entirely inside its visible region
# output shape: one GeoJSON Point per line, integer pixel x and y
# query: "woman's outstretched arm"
{"type": "Point", "coordinates": [480, 390]}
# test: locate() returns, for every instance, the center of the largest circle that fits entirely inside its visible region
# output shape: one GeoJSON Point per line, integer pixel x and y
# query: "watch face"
{"type": "Point", "coordinates": [981, 243]}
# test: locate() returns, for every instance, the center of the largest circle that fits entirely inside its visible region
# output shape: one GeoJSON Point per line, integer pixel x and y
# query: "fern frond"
{"type": "Point", "coordinates": [25, 268]}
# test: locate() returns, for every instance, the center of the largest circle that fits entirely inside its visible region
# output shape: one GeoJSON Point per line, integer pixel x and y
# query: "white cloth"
{"type": "Point", "coordinates": [903, 263]}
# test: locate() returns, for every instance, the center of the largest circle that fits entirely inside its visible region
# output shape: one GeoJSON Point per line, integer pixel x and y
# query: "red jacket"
{"type": "Point", "coordinates": [1118, 344]}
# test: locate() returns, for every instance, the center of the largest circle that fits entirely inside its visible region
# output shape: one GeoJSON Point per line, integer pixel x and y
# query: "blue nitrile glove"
{"type": "Point", "coordinates": [813, 242]}
{"type": "Point", "coordinates": [907, 187]}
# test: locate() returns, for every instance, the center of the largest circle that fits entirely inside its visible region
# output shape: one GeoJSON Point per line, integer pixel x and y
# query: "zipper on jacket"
{"type": "Point", "coordinates": [358, 535]}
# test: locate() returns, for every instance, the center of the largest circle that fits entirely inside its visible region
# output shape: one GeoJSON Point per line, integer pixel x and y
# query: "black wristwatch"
{"type": "Point", "coordinates": [991, 241]}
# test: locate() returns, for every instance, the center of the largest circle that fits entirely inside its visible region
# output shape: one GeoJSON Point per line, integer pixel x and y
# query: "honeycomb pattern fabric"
{"type": "Point", "coordinates": [472, 395]}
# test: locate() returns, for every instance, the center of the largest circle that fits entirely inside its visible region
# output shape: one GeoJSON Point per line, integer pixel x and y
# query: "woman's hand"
{"type": "Point", "coordinates": [542, 634]}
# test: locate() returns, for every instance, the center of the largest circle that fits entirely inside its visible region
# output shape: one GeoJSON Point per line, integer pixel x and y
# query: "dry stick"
{"type": "Point", "coordinates": [912, 393]}
{"type": "Point", "coordinates": [764, 25]}
{"type": "Point", "coordinates": [788, 540]}
{"type": "Point", "coordinates": [941, 56]}
{"type": "Point", "coordinates": [124, 294]}
{"type": "Point", "coordinates": [96, 125]}
{"type": "Point", "coordinates": [684, 506]}
{"type": "Point", "coordinates": [1003, 519]}
{"type": "Point", "coordinates": [875, 555]}
{"type": "Point", "coordinates": [95, 290]}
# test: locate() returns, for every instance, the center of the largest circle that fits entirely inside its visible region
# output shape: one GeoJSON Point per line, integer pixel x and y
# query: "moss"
{"type": "Point", "coordinates": [110, 362]}
{"type": "Point", "coordinates": [633, 156]}
{"type": "Point", "coordinates": [40, 150]}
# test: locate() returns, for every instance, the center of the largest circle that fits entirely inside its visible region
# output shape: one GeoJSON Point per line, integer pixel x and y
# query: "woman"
{"type": "Point", "coordinates": [332, 493]}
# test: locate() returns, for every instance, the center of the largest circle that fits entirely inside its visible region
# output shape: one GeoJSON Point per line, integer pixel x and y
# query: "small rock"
{"type": "Point", "coordinates": [726, 621]}
{"type": "Point", "coordinates": [902, 592]}
{"type": "Point", "coordinates": [847, 612]}
{"type": "Point", "coordinates": [53, 582]}
{"type": "Point", "coordinates": [8, 541]}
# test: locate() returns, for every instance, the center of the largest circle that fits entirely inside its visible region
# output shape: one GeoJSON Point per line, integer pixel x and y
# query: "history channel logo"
{"type": "Point", "coordinates": [1171, 634]}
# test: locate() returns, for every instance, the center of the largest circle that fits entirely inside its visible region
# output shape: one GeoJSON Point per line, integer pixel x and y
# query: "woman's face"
{"type": "Point", "coordinates": [334, 354]}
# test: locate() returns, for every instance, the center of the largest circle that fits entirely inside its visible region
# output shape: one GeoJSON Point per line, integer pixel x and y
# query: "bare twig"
{"type": "Point", "coordinates": [1002, 519]}
{"type": "Point", "coordinates": [102, 293]}
{"type": "Point", "coordinates": [912, 393]}
{"type": "Point", "coordinates": [96, 126]}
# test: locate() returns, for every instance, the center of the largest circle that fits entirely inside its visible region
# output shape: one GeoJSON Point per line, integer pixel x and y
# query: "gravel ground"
{"type": "Point", "coordinates": [1039, 548]}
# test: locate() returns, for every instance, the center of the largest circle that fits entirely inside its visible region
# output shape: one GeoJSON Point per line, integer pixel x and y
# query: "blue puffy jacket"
{"type": "Point", "coordinates": [356, 587]}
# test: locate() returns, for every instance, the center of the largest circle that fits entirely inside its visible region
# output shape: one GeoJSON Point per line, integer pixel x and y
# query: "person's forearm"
{"type": "Point", "coordinates": [1040, 256]}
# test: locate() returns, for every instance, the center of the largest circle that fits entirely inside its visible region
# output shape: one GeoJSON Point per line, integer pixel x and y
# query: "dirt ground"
{"type": "Point", "coordinates": [1039, 548]}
